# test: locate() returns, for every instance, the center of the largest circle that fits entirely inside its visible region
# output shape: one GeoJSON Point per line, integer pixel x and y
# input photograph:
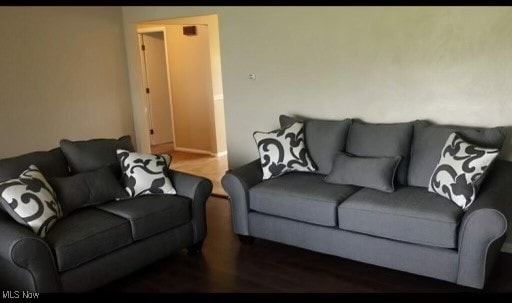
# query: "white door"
{"type": "Point", "coordinates": [191, 87]}
{"type": "Point", "coordinates": [154, 66]}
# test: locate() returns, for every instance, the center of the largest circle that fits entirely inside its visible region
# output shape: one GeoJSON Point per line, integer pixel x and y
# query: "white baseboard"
{"type": "Point", "coordinates": [195, 151]}
{"type": "Point", "coordinates": [221, 154]}
{"type": "Point", "coordinates": [507, 247]}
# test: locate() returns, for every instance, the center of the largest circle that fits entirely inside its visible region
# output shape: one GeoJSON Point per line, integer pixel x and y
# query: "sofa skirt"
{"type": "Point", "coordinates": [439, 263]}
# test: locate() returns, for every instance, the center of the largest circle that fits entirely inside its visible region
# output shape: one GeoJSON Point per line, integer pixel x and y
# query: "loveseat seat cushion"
{"type": "Point", "coordinates": [429, 139]}
{"type": "Point", "coordinates": [382, 140]}
{"type": "Point", "coordinates": [87, 234]}
{"type": "Point", "coordinates": [151, 214]}
{"type": "Point", "coordinates": [409, 214]}
{"type": "Point", "coordinates": [300, 196]}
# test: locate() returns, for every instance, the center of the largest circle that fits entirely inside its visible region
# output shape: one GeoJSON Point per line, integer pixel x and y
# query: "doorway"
{"type": "Point", "coordinates": [192, 65]}
{"type": "Point", "coordinates": [195, 97]}
{"type": "Point", "coordinates": [156, 85]}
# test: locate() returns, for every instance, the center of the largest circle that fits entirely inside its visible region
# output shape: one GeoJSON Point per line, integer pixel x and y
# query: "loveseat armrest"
{"type": "Point", "coordinates": [483, 227]}
{"type": "Point", "coordinates": [198, 189]}
{"type": "Point", "coordinates": [236, 183]}
{"type": "Point", "coordinates": [26, 260]}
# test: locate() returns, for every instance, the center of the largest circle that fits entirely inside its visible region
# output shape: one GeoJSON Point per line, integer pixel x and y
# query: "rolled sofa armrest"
{"type": "Point", "coordinates": [26, 260]}
{"type": "Point", "coordinates": [484, 225]}
{"type": "Point", "coordinates": [237, 183]}
{"type": "Point", "coordinates": [198, 189]}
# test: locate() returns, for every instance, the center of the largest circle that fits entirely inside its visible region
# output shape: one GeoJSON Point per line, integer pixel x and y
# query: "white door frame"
{"type": "Point", "coordinates": [144, 79]}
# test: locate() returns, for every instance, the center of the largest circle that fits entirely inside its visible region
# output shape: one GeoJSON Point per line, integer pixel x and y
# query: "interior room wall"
{"type": "Point", "coordinates": [191, 88]}
{"type": "Point", "coordinates": [64, 75]}
{"type": "Point", "coordinates": [381, 64]}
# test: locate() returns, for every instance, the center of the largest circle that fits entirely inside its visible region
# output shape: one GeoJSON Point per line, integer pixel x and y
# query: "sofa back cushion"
{"type": "Point", "coordinates": [324, 139]}
{"type": "Point", "coordinates": [51, 164]}
{"type": "Point", "coordinates": [382, 140]}
{"type": "Point", "coordinates": [84, 156]}
{"type": "Point", "coordinates": [429, 139]}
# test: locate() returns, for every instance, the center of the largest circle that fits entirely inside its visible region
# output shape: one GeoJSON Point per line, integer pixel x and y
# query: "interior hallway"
{"type": "Point", "coordinates": [206, 166]}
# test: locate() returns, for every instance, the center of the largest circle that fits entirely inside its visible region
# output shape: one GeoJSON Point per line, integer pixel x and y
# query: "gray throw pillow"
{"type": "Point", "coordinates": [31, 201]}
{"type": "Point", "coordinates": [324, 139]}
{"type": "Point", "coordinates": [382, 140]}
{"type": "Point", "coordinates": [90, 155]}
{"type": "Point", "coordinates": [86, 189]}
{"type": "Point", "coordinates": [429, 139]}
{"type": "Point", "coordinates": [283, 150]}
{"type": "Point", "coordinates": [372, 172]}
{"type": "Point", "coordinates": [145, 174]}
{"type": "Point", "coordinates": [460, 170]}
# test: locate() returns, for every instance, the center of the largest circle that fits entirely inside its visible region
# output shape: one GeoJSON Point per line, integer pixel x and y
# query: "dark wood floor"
{"type": "Point", "coordinates": [226, 266]}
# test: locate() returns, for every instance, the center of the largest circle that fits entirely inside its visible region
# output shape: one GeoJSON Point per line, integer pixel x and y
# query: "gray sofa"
{"type": "Point", "coordinates": [410, 229]}
{"type": "Point", "coordinates": [97, 244]}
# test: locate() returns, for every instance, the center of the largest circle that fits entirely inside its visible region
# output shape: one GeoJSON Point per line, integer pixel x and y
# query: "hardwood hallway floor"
{"type": "Point", "coordinates": [206, 166]}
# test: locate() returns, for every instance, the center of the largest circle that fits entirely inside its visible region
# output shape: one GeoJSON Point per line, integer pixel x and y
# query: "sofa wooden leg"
{"type": "Point", "coordinates": [195, 249]}
{"type": "Point", "coordinates": [246, 240]}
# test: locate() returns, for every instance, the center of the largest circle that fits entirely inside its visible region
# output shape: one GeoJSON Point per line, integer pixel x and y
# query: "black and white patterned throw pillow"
{"type": "Point", "coordinates": [283, 150]}
{"type": "Point", "coordinates": [460, 170]}
{"type": "Point", "coordinates": [31, 201]}
{"type": "Point", "coordinates": [145, 174]}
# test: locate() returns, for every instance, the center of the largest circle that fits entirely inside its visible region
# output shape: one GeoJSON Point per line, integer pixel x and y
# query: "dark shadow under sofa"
{"type": "Point", "coordinates": [410, 229]}
{"type": "Point", "coordinates": [97, 244]}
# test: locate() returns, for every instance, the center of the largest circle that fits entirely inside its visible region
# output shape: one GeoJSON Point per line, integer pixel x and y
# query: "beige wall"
{"type": "Point", "coordinates": [191, 89]}
{"type": "Point", "coordinates": [63, 75]}
{"type": "Point", "coordinates": [213, 142]}
{"type": "Point", "coordinates": [387, 64]}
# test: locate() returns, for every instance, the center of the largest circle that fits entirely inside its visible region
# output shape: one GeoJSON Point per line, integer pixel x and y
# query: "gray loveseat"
{"type": "Point", "coordinates": [97, 244]}
{"type": "Point", "coordinates": [410, 229]}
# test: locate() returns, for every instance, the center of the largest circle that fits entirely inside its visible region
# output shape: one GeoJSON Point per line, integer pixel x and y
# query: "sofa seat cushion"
{"type": "Point", "coordinates": [86, 234]}
{"type": "Point", "coordinates": [300, 196]}
{"type": "Point", "coordinates": [410, 214]}
{"type": "Point", "coordinates": [151, 214]}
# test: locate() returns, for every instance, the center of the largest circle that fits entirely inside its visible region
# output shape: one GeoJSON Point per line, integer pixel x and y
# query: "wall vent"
{"type": "Point", "coordinates": [189, 30]}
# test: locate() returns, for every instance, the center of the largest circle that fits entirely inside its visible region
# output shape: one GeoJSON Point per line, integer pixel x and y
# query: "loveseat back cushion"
{"type": "Point", "coordinates": [85, 235]}
{"type": "Point", "coordinates": [324, 139]}
{"type": "Point", "coordinates": [51, 164]}
{"type": "Point", "coordinates": [409, 214]}
{"type": "Point", "coordinates": [89, 155]}
{"type": "Point", "coordinates": [152, 214]}
{"type": "Point", "coordinates": [382, 140]}
{"type": "Point", "coordinates": [300, 196]}
{"type": "Point", "coordinates": [429, 139]}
